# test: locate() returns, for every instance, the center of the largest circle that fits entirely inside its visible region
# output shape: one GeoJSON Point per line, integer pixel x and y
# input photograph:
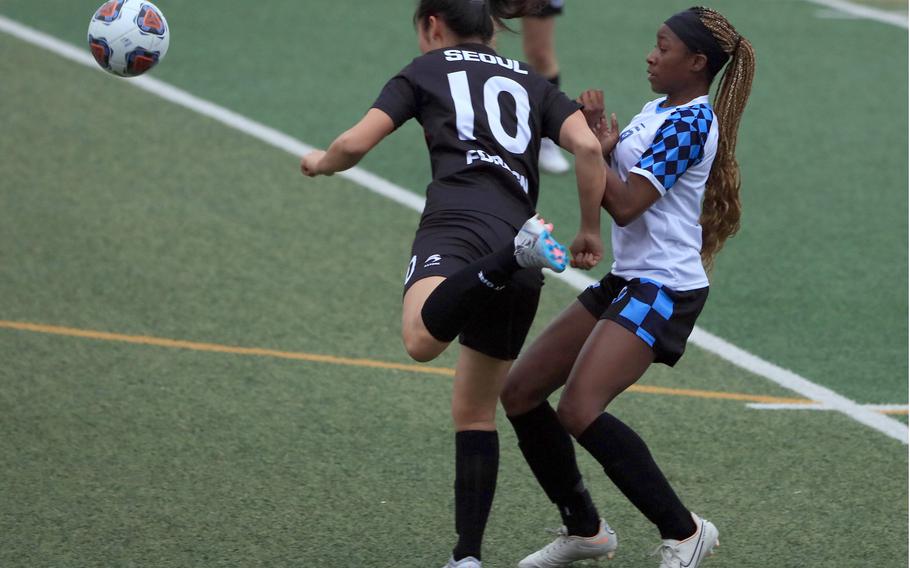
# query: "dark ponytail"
{"type": "Point", "coordinates": [475, 18]}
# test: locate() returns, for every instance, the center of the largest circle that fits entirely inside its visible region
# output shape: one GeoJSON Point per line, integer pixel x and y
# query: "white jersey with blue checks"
{"type": "Point", "coordinates": [673, 148]}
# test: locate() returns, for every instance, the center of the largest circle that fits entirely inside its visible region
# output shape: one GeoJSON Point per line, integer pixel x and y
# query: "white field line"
{"type": "Point", "coordinates": [895, 408]}
{"type": "Point", "coordinates": [877, 14]}
{"type": "Point", "coordinates": [701, 338]}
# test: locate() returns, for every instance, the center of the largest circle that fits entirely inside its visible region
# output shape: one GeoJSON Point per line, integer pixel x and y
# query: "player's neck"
{"type": "Point", "coordinates": [455, 40]}
{"type": "Point", "coordinates": [683, 96]}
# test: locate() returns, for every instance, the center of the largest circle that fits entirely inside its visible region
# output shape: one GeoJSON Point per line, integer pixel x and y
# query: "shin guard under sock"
{"type": "Point", "coordinates": [476, 468]}
{"type": "Point", "coordinates": [548, 449]}
{"type": "Point", "coordinates": [628, 463]}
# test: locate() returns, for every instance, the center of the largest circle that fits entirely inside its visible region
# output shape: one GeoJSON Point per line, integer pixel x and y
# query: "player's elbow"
{"type": "Point", "coordinates": [352, 146]}
{"type": "Point", "coordinates": [621, 220]}
{"type": "Point", "coordinates": [623, 217]}
{"type": "Point", "coordinates": [586, 148]}
{"type": "Point", "coordinates": [590, 150]}
{"type": "Point", "coordinates": [621, 214]}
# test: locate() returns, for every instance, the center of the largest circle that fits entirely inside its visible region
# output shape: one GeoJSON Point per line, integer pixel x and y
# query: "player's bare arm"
{"type": "Point", "coordinates": [624, 201]}
{"type": "Point", "coordinates": [606, 131]}
{"type": "Point", "coordinates": [590, 174]}
{"type": "Point", "coordinates": [350, 147]}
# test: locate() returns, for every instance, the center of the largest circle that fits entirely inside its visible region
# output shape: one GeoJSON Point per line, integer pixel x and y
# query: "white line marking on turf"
{"type": "Point", "coordinates": [372, 182]}
{"type": "Point", "coordinates": [834, 15]}
{"type": "Point", "coordinates": [884, 16]}
{"type": "Point", "coordinates": [819, 406]}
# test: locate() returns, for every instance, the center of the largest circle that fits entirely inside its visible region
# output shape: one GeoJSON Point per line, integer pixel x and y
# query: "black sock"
{"type": "Point", "coordinates": [628, 463]}
{"type": "Point", "coordinates": [548, 449]}
{"type": "Point", "coordinates": [476, 466]}
{"type": "Point", "coordinates": [452, 304]}
{"type": "Point", "coordinates": [554, 80]}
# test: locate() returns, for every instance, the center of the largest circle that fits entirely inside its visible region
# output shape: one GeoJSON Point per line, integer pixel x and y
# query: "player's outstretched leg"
{"type": "Point", "coordinates": [691, 551]}
{"type": "Point", "coordinates": [434, 318]}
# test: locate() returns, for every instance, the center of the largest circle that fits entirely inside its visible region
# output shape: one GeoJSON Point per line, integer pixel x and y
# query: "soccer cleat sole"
{"type": "Point", "coordinates": [556, 254]}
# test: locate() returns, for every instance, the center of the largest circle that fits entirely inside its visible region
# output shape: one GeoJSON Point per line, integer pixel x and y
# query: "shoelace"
{"type": "Point", "coordinates": [562, 538]}
{"type": "Point", "coordinates": [667, 555]}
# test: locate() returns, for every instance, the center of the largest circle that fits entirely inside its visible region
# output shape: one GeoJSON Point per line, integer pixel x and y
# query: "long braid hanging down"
{"type": "Point", "coordinates": [721, 209]}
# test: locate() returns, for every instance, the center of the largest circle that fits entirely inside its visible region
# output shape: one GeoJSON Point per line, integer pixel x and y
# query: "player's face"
{"type": "Point", "coordinates": [669, 63]}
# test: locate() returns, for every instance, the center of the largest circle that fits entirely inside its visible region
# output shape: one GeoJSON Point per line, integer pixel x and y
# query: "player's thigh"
{"type": "Point", "coordinates": [475, 390]}
{"type": "Point", "coordinates": [414, 299]}
{"type": "Point", "coordinates": [545, 365]}
{"type": "Point", "coordinates": [499, 330]}
{"type": "Point", "coordinates": [443, 244]}
{"type": "Point", "coordinates": [611, 360]}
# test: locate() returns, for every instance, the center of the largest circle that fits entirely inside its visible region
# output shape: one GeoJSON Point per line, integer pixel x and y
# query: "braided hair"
{"type": "Point", "coordinates": [721, 210]}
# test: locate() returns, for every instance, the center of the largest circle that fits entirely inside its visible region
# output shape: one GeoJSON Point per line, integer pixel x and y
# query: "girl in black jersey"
{"type": "Point", "coordinates": [673, 193]}
{"type": "Point", "coordinates": [475, 269]}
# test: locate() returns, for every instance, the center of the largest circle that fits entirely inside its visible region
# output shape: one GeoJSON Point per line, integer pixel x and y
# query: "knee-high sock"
{"type": "Point", "coordinates": [452, 304]}
{"type": "Point", "coordinates": [476, 467]}
{"type": "Point", "coordinates": [548, 449]}
{"type": "Point", "coordinates": [628, 463]}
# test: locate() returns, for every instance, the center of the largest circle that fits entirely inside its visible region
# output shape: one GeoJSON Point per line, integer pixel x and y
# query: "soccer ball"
{"type": "Point", "coordinates": [128, 37]}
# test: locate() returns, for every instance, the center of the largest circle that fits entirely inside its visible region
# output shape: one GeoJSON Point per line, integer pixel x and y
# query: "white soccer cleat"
{"type": "Point", "coordinates": [551, 159]}
{"type": "Point", "coordinates": [535, 247]}
{"type": "Point", "coordinates": [690, 552]}
{"type": "Point", "coordinates": [468, 562]}
{"type": "Point", "coordinates": [567, 549]}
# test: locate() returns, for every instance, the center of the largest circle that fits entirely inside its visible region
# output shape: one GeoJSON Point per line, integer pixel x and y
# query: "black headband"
{"type": "Point", "coordinates": [698, 38]}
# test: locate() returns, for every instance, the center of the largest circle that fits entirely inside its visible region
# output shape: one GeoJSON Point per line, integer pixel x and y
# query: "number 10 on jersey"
{"type": "Point", "coordinates": [464, 110]}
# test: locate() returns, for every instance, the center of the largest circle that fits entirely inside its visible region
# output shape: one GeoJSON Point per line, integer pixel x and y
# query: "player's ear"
{"type": "Point", "coordinates": [698, 62]}
{"type": "Point", "coordinates": [432, 29]}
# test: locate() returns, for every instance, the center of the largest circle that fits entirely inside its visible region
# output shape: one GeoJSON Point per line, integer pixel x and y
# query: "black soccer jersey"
{"type": "Point", "coordinates": [483, 117]}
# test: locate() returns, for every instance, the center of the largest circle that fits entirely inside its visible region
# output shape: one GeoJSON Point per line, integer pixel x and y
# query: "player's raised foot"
{"type": "Point", "coordinates": [690, 552]}
{"type": "Point", "coordinates": [551, 159]}
{"type": "Point", "coordinates": [568, 548]}
{"type": "Point", "coordinates": [535, 247]}
{"type": "Point", "coordinates": [468, 562]}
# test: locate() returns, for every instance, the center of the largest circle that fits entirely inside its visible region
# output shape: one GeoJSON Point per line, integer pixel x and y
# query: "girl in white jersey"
{"type": "Point", "coordinates": [672, 191]}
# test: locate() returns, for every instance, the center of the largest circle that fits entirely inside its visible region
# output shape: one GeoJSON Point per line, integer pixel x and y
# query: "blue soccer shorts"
{"type": "Point", "coordinates": [661, 317]}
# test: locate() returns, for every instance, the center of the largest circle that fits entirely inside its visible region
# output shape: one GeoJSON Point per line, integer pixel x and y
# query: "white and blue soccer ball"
{"type": "Point", "coordinates": [128, 37]}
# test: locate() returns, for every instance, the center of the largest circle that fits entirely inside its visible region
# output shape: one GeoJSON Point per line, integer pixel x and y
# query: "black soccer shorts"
{"type": "Point", "coordinates": [446, 242]}
{"type": "Point", "coordinates": [660, 317]}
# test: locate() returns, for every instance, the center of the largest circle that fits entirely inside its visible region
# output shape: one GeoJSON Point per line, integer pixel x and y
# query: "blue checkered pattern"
{"type": "Point", "coordinates": [679, 143]}
{"type": "Point", "coordinates": [649, 308]}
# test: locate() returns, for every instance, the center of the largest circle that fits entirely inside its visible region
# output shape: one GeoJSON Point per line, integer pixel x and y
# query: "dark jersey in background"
{"type": "Point", "coordinates": [483, 116]}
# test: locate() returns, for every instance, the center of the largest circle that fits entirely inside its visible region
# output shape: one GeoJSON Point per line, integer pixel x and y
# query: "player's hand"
{"type": "Point", "coordinates": [309, 164]}
{"type": "Point", "coordinates": [607, 134]}
{"type": "Point", "coordinates": [587, 250]}
{"type": "Point", "coordinates": [592, 102]}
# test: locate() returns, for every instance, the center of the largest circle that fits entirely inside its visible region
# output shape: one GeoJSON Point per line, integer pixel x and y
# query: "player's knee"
{"type": "Point", "coordinates": [575, 417]}
{"type": "Point", "coordinates": [420, 345]}
{"type": "Point", "coordinates": [465, 418]}
{"type": "Point", "coordinates": [516, 397]}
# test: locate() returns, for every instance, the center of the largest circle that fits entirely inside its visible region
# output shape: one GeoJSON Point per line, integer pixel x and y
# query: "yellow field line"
{"type": "Point", "coordinates": [370, 363]}
{"type": "Point", "coordinates": [719, 395]}
{"type": "Point", "coordinates": [215, 348]}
